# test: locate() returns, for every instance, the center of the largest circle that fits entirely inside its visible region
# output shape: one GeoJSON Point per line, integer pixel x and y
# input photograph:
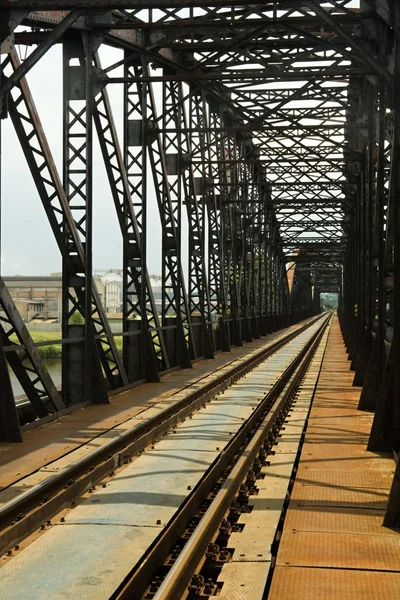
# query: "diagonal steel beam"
{"type": "Point", "coordinates": [55, 35]}
{"type": "Point", "coordinates": [65, 229]}
{"type": "Point", "coordinates": [341, 31]}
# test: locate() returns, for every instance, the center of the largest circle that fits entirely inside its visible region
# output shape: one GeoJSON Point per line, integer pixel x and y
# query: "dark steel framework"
{"type": "Point", "coordinates": [267, 134]}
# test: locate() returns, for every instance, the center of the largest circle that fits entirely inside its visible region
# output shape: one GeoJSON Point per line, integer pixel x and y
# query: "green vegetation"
{"type": "Point", "coordinates": [329, 301]}
{"type": "Point", "coordinates": [54, 350]}
{"type": "Point", "coordinates": [77, 319]}
{"type": "Point", "coordinates": [48, 351]}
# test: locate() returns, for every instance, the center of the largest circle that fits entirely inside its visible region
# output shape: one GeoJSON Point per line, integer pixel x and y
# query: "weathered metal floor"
{"type": "Point", "coordinates": [125, 517]}
{"type": "Point", "coordinates": [90, 427]}
{"type": "Point", "coordinates": [333, 543]}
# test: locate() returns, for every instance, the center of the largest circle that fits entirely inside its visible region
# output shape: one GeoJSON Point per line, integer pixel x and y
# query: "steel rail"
{"type": "Point", "coordinates": [181, 572]}
{"type": "Point", "coordinates": [268, 412]}
{"type": "Point", "coordinates": [24, 514]}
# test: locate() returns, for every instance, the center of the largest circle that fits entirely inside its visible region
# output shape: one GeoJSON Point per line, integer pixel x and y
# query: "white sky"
{"type": "Point", "coordinates": [27, 242]}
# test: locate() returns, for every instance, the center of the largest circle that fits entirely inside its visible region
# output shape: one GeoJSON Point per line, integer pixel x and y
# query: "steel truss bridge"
{"type": "Point", "coordinates": [269, 132]}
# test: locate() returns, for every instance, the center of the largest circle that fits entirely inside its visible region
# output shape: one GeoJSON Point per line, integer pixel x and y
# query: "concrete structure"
{"type": "Point", "coordinates": [40, 297]}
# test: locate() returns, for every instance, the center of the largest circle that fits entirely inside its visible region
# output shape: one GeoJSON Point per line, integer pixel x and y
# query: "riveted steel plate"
{"type": "Point", "coordinates": [300, 408]}
{"type": "Point", "coordinates": [82, 451]}
{"type": "Point", "coordinates": [291, 429]}
{"type": "Point", "coordinates": [339, 477]}
{"type": "Point", "coordinates": [148, 490]}
{"type": "Point", "coordinates": [327, 437]}
{"type": "Point", "coordinates": [198, 434]}
{"type": "Point", "coordinates": [291, 583]}
{"type": "Point", "coordinates": [73, 562]}
{"type": "Point", "coordinates": [340, 428]}
{"type": "Point", "coordinates": [289, 437]}
{"type": "Point", "coordinates": [253, 543]}
{"type": "Point", "coordinates": [286, 447]}
{"type": "Point", "coordinates": [22, 486]}
{"type": "Point", "coordinates": [280, 467]}
{"type": "Point", "coordinates": [308, 495]}
{"type": "Point", "coordinates": [298, 419]}
{"type": "Point", "coordinates": [339, 451]}
{"type": "Point", "coordinates": [340, 520]}
{"type": "Point", "coordinates": [352, 464]}
{"type": "Point", "coordinates": [235, 413]}
{"type": "Point", "coordinates": [339, 550]}
{"type": "Point", "coordinates": [246, 583]}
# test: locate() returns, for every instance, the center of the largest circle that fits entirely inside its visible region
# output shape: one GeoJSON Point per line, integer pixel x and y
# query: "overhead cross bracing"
{"type": "Point", "coordinates": [251, 129]}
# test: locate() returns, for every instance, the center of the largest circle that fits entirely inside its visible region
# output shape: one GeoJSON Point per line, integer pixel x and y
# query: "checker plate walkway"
{"type": "Point", "coordinates": [333, 543]}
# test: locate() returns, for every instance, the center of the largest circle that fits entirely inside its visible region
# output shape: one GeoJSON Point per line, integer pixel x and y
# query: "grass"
{"type": "Point", "coordinates": [55, 350]}
{"type": "Point", "coordinates": [49, 351]}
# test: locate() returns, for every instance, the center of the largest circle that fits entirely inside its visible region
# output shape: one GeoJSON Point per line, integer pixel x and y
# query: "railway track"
{"type": "Point", "coordinates": [172, 496]}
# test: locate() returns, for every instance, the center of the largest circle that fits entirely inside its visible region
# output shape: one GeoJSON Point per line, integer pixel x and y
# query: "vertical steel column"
{"type": "Point", "coordinates": [82, 378]}
{"type": "Point", "coordinates": [52, 194]}
{"type": "Point", "coordinates": [174, 301]}
{"type": "Point", "coordinates": [244, 221]}
{"type": "Point", "coordinates": [144, 358]}
{"type": "Point", "coordinates": [262, 300]}
{"type": "Point", "coordinates": [228, 238]}
{"type": "Point", "coordinates": [274, 276]}
{"type": "Point", "coordinates": [375, 369]}
{"type": "Point", "coordinates": [269, 276]}
{"type": "Point", "coordinates": [255, 251]}
{"type": "Point", "coordinates": [194, 186]}
{"type": "Point", "coordinates": [175, 306]}
{"type": "Point", "coordinates": [365, 335]}
{"type": "Point", "coordinates": [353, 206]}
{"type": "Point", "coordinates": [213, 202]}
{"type": "Point", "coordinates": [392, 516]}
{"type": "Point", "coordinates": [9, 424]}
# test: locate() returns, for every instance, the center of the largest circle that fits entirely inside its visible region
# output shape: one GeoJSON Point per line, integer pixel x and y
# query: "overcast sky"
{"type": "Point", "coordinates": [28, 246]}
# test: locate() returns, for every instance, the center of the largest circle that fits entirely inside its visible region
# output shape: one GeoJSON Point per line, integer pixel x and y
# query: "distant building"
{"type": "Point", "coordinates": [39, 298]}
{"type": "Point", "coordinates": [155, 282]}
{"type": "Point", "coordinates": [112, 281]}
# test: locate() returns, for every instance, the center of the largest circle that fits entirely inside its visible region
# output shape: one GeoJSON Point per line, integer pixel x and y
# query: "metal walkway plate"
{"type": "Point", "coordinates": [340, 550]}
{"type": "Point", "coordinates": [246, 576]}
{"type": "Point", "coordinates": [102, 539]}
{"type": "Point", "coordinates": [333, 545]}
{"type": "Point", "coordinates": [291, 583]}
{"type": "Point", "coordinates": [242, 584]}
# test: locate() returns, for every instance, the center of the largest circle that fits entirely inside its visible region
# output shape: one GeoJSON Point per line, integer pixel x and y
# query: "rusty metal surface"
{"type": "Point", "coordinates": [333, 527]}
{"type": "Point", "coordinates": [341, 478]}
{"type": "Point", "coordinates": [309, 495]}
{"type": "Point", "coordinates": [252, 546]}
{"type": "Point", "coordinates": [143, 496]}
{"type": "Point", "coordinates": [54, 440]}
{"type": "Point", "coordinates": [290, 583]}
{"type": "Point", "coordinates": [19, 488]}
{"type": "Point", "coordinates": [55, 570]}
{"type": "Point", "coordinates": [340, 550]}
{"type": "Point", "coordinates": [337, 519]}
{"type": "Point", "coordinates": [371, 463]}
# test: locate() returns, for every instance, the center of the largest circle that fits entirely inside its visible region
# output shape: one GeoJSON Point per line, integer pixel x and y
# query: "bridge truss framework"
{"type": "Point", "coordinates": [268, 132]}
